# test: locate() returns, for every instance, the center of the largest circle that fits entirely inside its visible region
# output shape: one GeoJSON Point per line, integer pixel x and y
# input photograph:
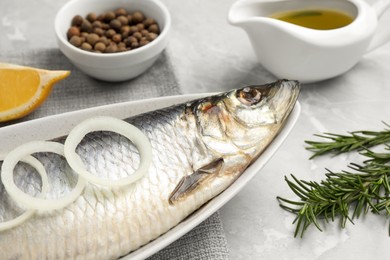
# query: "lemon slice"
{"type": "Point", "coordinates": [23, 89]}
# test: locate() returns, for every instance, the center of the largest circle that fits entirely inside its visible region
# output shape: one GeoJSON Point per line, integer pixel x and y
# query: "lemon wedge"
{"type": "Point", "coordinates": [24, 89]}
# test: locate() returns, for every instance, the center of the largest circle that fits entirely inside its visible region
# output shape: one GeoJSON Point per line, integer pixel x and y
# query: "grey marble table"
{"type": "Point", "coordinates": [208, 54]}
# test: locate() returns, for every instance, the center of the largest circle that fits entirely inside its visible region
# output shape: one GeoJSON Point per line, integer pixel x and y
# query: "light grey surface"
{"type": "Point", "coordinates": [210, 55]}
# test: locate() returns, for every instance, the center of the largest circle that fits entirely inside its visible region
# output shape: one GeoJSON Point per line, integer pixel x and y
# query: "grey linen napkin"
{"type": "Point", "coordinates": [78, 91]}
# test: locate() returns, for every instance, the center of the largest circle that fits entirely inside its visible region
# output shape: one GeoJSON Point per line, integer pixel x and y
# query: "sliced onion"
{"type": "Point", "coordinates": [25, 200]}
{"type": "Point", "coordinates": [103, 123]}
{"type": "Point", "coordinates": [45, 188]}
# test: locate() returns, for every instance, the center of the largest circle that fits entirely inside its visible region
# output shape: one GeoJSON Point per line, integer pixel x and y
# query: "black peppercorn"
{"type": "Point", "coordinates": [151, 36]}
{"type": "Point", "coordinates": [148, 22]}
{"type": "Point", "coordinates": [97, 24]}
{"type": "Point", "coordinates": [115, 24]}
{"type": "Point", "coordinates": [134, 45]}
{"type": "Point", "coordinates": [125, 31]}
{"type": "Point", "coordinates": [91, 17]}
{"type": "Point", "coordinates": [86, 26]}
{"type": "Point", "coordinates": [117, 38]}
{"type": "Point", "coordinates": [110, 33]}
{"type": "Point", "coordinates": [121, 48]}
{"type": "Point", "coordinates": [140, 26]}
{"type": "Point", "coordinates": [103, 40]}
{"type": "Point", "coordinates": [112, 48]}
{"type": "Point", "coordinates": [130, 40]}
{"type": "Point", "coordinates": [77, 20]}
{"type": "Point", "coordinates": [133, 29]}
{"type": "Point", "coordinates": [84, 34]}
{"type": "Point", "coordinates": [86, 46]}
{"type": "Point", "coordinates": [120, 11]}
{"type": "Point", "coordinates": [123, 19]}
{"type": "Point", "coordinates": [100, 47]}
{"type": "Point", "coordinates": [154, 28]}
{"type": "Point", "coordinates": [76, 41]}
{"type": "Point", "coordinates": [138, 17]}
{"type": "Point", "coordinates": [143, 41]}
{"type": "Point", "coordinates": [72, 31]}
{"type": "Point", "coordinates": [92, 38]}
{"type": "Point", "coordinates": [109, 16]}
{"type": "Point", "coordinates": [137, 35]}
{"type": "Point", "coordinates": [98, 31]}
{"type": "Point", "coordinates": [144, 32]}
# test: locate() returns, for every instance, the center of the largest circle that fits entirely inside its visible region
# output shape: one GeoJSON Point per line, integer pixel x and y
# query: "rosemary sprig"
{"type": "Point", "coordinates": [356, 140]}
{"type": "Point", "coordinates": [346, 194]}
{"type": "Point", "coordinates": [343, 194]}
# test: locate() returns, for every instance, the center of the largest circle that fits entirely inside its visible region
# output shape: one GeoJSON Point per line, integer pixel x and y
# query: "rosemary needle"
{"type": "Point", "coordinates": [346, 194]}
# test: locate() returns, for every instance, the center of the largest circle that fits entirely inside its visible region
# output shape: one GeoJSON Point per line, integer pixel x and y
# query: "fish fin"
{"type": "Point", "coordinates": [189, 182]}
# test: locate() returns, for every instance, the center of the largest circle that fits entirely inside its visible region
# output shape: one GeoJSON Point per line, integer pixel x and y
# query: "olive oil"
{"type": "Point", "coordinates": [315, 19]}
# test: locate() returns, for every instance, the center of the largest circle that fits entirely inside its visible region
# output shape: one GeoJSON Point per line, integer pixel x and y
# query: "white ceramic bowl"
{"type": "Point", "coordinates": [114, 66]}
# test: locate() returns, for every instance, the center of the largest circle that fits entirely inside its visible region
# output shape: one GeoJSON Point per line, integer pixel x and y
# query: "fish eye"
{"type": "Point", "coordinates": [249, 96]}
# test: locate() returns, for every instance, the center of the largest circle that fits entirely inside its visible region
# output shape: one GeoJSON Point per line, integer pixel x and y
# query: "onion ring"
{"type": "Point", "coordinates": [103, 123]}
{"type": "Point", "coordinates": [45, 188]}
{"type": "Point", "coordinates": [24, 199]}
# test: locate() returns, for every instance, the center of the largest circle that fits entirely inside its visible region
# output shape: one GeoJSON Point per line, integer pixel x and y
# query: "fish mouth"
{"type": "Point", "coordinates": [285, 97]}
{"type": "Point", "coordinates": [280, 91]}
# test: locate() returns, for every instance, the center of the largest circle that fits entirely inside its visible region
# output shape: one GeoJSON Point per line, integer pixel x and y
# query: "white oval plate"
{"type": "Point", "coordinates": [59, 125]}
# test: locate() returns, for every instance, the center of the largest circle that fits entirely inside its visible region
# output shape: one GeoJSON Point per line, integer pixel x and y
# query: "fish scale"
{"type": "Point", "coordinates": [187, 170]}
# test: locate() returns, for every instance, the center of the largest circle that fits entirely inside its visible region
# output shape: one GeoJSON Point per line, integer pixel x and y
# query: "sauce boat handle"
{"type": "Point", "coordinates": [382, 35]}
{"type": "Point", "coordinates": [380, 7]}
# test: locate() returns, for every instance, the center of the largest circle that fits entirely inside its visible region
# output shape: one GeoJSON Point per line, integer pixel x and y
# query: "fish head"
{"type": "Point", "coordinates": [234, 128]}
{"type": "Point", "coordinates": [245, 119]}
